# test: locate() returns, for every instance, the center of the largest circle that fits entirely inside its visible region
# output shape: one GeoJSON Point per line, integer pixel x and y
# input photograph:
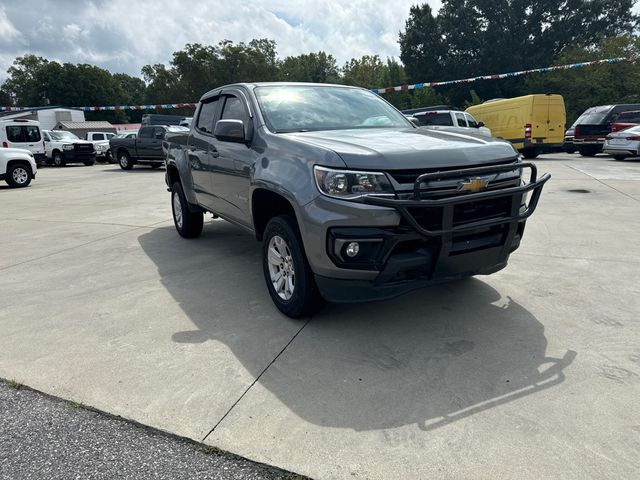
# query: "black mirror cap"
{"type": "Point", "coordinates": [480, 124]}
{"type": "Point", "coordinates": [230, 131]}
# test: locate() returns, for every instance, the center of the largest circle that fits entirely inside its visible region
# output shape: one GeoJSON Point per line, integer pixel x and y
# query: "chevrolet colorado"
{"type": "Point", "coordinates": [350, 200]}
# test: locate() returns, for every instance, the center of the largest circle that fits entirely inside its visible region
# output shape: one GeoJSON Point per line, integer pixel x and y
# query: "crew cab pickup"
{"type": "Point", "coordinates": [448, 120]}
{"type": "Point", "coordinates": [350, 200]}
{"type": "Point", "coordinates": [145, 148]}
{"type": "Point", "coordinates": [62, 147]}
{"type": "Point", "coordinates": [593, 126]}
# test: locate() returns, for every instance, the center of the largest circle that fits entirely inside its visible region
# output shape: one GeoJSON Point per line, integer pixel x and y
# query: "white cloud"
{"type": "Point", "coordinates": [123, 35]}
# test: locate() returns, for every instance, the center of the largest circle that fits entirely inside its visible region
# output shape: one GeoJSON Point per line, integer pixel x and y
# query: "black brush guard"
{"type": "Point", "coordinates": [448, 204]}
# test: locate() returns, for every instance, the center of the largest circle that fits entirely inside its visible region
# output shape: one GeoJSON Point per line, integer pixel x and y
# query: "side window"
{"type": "Point", "coordinates": [146, 132]}
{"type": "Point", "coordinates": [462, 122]}
{"type": "Point", "coordinates": [46, 136]}
{"type": "Point", "coordinates": [158, 132]}
{"type": "Point", "coordinates": [15, 134]}
{"type": "Point", "coordinates": [205, 117]}
{"type": "Point", "coordinates": [233, 109]}
{"type": "Point", "coordinates": [98, 136]}
{"type": "Point", "coordinates": [471, 121]}
{"type": "Point", "coordinates": [109, 135]}
{"type": "Point", "coordinates": [32, 134]}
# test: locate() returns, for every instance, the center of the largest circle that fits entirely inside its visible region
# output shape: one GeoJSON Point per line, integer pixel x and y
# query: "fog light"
{"type": "Point", "coordinates": [352, 249]}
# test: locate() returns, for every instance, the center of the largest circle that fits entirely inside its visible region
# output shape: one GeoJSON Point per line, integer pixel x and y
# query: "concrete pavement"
{"type": "Point", "coordinates": [532, 372]}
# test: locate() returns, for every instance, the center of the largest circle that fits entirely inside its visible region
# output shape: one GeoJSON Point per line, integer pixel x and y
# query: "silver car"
{"type": "Point", "coordinates": [623, 144]}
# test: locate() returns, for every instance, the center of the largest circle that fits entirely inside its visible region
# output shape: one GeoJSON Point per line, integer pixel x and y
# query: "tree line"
{"type": "Point", "coordinates": [465, 38]}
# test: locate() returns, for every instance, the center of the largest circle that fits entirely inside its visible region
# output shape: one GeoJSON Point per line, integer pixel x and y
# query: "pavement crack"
{"type": "Point", "coordinates": [602, 182]}
{"type": "Point", "coordinates": [257, 379]}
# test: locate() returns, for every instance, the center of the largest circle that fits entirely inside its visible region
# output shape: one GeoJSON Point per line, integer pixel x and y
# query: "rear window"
{"type": "Point", "coordinates": [630, 117]}
{"type": "Point", "coordinates": [593, 116]}
{"type": "Point", "coordinates": [23, 134]}
{"type": "Point", "coordinates": [435, 118]}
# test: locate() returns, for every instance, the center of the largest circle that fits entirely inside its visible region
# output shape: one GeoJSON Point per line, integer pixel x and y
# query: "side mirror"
{"type": "Point", "coordinates": [230, 131]}
{"type": "Point", "coordinates": [159, 136]}
{"type": "Point", "coordinates": [415, 121]}
{"type": "Point", "coordinates": [480, 124]}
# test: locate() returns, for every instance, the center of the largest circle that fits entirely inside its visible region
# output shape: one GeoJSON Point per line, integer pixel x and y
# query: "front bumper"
{"type": "Point", "coordinates": [435, 240]}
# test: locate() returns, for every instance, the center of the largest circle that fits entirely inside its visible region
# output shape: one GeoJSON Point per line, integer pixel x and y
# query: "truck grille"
{"type": "Point", "coordinates": [83, 147]}
{"type": "Point", "coordinates": [410, 176]}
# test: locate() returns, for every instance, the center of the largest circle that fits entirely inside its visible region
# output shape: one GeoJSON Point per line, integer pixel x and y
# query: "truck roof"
{"type": "Point", "coordinates": [276, 84]}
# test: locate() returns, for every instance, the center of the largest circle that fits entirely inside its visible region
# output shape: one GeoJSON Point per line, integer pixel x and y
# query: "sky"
{"type": "Point", "coordinates": [124, 35]}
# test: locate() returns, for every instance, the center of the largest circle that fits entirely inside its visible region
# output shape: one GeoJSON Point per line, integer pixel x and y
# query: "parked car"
{"type": "Point", "coordinates": [100, 142]}
{"type": "Point", "coordinates": [568, 145]}
{"type": "Point", "coordinates": [62, 148]}
{"type": "Point", "coordinates": [351, 201]}
{"type": "Point", "coordinates": [593, 126]}
{"type": "Point", "coordinates": [533, 123]}
{"type": "Point", "coordinates": [23, 134]}
{"type": "Point", "coordinates": [145, 148]}
{"type": "Point", "coordinates": [450, 121]}
{"type": "Point", "coordinates": [626, 120]}
{"type": "Point", "coordinates": [623, 144]}
{"type": "Point", "coordinates": [17, 166]}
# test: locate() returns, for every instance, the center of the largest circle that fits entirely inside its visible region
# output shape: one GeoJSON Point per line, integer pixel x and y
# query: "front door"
{"type": "Point", "coordinates": [234, 162]}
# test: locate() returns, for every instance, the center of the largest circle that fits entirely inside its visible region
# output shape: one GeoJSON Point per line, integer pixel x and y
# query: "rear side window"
{"type": "Point", "coordinates": [23, 133]}
{"type": "Point", "coordinates": [631, 117]}
{"type": "Point", "coordinates": [146, 132]}
{"type": "Point", "coordinates": [205, 117]}
{"type": "Point", "coordinates": [98, 136]}
{"type": "Point", "coordinates": [433, 118]}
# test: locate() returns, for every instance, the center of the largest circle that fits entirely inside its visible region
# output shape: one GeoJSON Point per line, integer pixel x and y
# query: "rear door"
{"type": "Point", "coordinates": [539, 118]}
{"type": "Point", "coordinates": [201, 153]}
{"type": "Point", "coordinates": [155, 145]}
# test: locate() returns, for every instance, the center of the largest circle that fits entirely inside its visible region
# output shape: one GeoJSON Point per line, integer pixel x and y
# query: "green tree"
{"type": "Point", "coordinates": [595, 85]}
{"type": "Point", "coordinates": [480, 37]}
{"type": "Point", "coordinates": [310, 67]}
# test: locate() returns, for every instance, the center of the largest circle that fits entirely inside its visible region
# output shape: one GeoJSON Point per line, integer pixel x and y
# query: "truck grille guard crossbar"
{"type": "Point", "coordinates": [516, 194]}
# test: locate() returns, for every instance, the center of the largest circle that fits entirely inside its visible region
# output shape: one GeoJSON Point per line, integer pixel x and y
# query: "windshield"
{"type": "Point", "coordinates": [303, 108]}
{"type": "Point", "coordinates": [61, 135]}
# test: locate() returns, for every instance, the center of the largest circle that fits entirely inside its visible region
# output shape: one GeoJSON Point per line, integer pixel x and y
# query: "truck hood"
{"type": "Point", "coordinates": [73, 142]}
{"type": "Point", "coordinates": [411, 148]}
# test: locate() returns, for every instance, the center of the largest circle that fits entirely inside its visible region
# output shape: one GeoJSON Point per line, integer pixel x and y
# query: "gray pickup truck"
{"type": "Point", "coordinates": [350, 200]}
{"type": "Point", "coordinates": [145, 148]}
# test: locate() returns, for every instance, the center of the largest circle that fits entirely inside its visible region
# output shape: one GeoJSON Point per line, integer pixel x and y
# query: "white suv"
{"type": "Point", "coordinates": [17, 166]}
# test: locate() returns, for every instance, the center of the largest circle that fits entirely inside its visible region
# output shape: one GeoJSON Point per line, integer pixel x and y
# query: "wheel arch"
{"type": "Point", "coordinates": [21, 161]}
{"type": "Point", "coordinates": [266, 204]}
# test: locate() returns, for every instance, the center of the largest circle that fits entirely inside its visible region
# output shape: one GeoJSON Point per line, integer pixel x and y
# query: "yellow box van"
{"type": "Point", "coordinates": [533, 123]}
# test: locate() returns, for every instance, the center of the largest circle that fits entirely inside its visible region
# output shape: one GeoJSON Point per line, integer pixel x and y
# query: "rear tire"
{"type": "Point", "coordinates": [619, 157]}
{"type": "Point", "coordinates": [286, 270]}
{"type": "Point", "coordinates": [89, 163]}
{"type": "Point", "coordinates": [589, 151]}
{"type": "Point", "coordinates": [188, 224]}
{"type": "Point", "coordinates": [18, 175]}
{"type": "Point", "coordinates": [124, 161]}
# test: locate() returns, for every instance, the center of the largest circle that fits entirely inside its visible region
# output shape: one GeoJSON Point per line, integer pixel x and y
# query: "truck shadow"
{"type": "Point", "coordinates": [428, 358]}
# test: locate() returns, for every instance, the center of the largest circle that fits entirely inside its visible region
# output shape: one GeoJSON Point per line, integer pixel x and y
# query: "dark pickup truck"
{"type": "Point", "coordinates": [593, 126]}
{"type": "Point", "coordinates": [145, 149]}
{"type": "Point", "coordinates": [351, 201]}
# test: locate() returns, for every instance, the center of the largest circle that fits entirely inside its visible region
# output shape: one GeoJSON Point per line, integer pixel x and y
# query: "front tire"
{"type": "Point", "coordinates": [188, 224]}
{"type": "Point", "coordinates": [619, 157]}
{"type": "Point", "coordinates": [89, 163]}
{"type": "Point", "coordinates": [18, 176]}
{"type": "Point", "coordinates": [58, 159]}
{"type": "Point", "coordinates": [530, 154]}
{"type": "Point", "coordinates": [286, 270]}
{"type": "Point", "coordinates": [125, 161]}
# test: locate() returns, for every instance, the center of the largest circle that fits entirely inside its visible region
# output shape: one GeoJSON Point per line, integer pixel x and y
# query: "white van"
{"type": "Point", "coordinates": [25, 134]}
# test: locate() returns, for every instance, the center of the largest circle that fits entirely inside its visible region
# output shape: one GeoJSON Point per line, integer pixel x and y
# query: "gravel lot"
{"type": "Point", "coordinates": [42, 437]}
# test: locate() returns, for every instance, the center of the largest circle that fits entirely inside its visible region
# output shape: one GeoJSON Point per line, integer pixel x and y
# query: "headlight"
{"type": "Point", "coordinates": [98, 148]}
{"type": "Point", "coordinates": [348, 184]}
{"type": "Point", "coordinates": [67, 147]}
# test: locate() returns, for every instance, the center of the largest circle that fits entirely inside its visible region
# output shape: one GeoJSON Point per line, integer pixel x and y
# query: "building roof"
{"type": "Point", "coordinates": [36, 109]}
{"type": "Point", "coordinates": [84, 125]}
